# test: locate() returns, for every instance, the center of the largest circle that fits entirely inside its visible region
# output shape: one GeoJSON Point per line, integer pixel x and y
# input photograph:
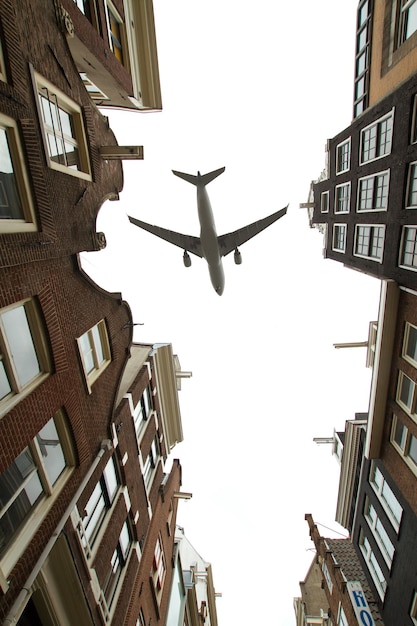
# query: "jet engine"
{"type": "Point", "coordinates": [186, 259]}
{"type": "Point", "coordinates": [238, 257]}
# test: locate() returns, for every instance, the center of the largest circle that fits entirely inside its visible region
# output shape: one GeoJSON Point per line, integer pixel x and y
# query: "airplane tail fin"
{"type": "Point", "coordinates": [204, 179]}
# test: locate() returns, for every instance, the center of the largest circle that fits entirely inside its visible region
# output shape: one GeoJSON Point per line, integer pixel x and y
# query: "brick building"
{"type": "Point", "coordinates": [87, 418]}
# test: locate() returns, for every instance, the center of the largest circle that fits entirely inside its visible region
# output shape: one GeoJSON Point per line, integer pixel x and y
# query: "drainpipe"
{"type": "Point", "coordinates": [14, 613]}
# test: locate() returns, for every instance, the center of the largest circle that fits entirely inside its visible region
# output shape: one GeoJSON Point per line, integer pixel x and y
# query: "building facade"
{"type": "Point", "coordinates": [87, 417]}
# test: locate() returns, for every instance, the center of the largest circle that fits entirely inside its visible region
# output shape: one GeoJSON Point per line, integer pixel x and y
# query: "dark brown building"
{"type": "Point", "coordinates": [87, 418]}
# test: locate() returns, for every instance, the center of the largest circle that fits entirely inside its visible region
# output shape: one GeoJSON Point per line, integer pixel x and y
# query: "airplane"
{"type": "Point", "coordinates": [209, 246]}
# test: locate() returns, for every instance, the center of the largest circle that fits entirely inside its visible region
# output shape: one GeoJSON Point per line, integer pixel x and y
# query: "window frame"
{"type": "Point", "coordinates": [374, 177]}
{"type": "Point", "coordinates": [413, 609]}
{"type": "Point", "coordinates": [403, 448]}
{"type": "Point", "coordinates": [406, 228]}
{"type": "Point", "coordinates": [403, 13]}
{"type": "Point", "coordinates": [344, 200]}
{"type": "Point", "coordinates": [159, 568]}
{"type": "Point", "coordinates": [405, 355]}
{"type": "Point", "coordinates": [335, 238]}
{"type": "Point", "coordinates": [74, 111]}
{"type": "Point", "coordinates": [378, 124]}
{"type": "Point", "coordinates": [324, 204]}
{"type": "Point", "coordinates": [99, 367]}
{"type": "Point", "coordinates": [384, 493]}
{"type": "Point", "coordinates": [119, 42]}
{"type": "Point", "coordinates": [340, 156]}
{"type": "Point", "coordinates": [50, 493]}
{"type": "Point", "coordinates": [380, 227]}
{"type": "Point", "coordinates": [37, 331]}
{"type": "Point", "coordinates": [28, 222]}
{"type": "Point", "coordinates": [379, 532]}
{"type": "Point", "coordinates": [370, 559]}
{"type": "Point", "coordinates": [411, 167]}
{"type": "Point", "coordinates": [411, 408]}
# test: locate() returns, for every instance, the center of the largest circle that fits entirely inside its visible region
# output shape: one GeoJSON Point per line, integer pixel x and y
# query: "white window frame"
{"type": "Point", "coordinates": [412, 167]}
{"type": "Point", "coordinates": [413, 136]}
{"type": "Point", "coordinates": [411, 408]}
{"type": "Point", "coordinates": [340, 151]}
{"type": "Point", "coordinates": [366, 256]}
{"type": "Point", "coordinates": [93, 91]}
{"type": "Point", "coordinates": [406, 356]}
{"type": "Point", "coordinates": [159, 568]}
{"type": "Point", "coordinates": [405, 229]}
{"type": "Point", "coordinates": [324, 202]}
{"type": "Point", "coordinates": [341, 249]}
{"type": "Point", "coordinates": [345, 196]}
{"type": "Point", "coordinates": [403, 447]}
{"type": "Point", "coordinates": [99, 366]}
{"type": "Point", "coordinates": [124, 50]}
{"type": "Point", "coordinates": [28, 221]}
{"type": "Point", "coordinates": [43, 87]}
{"type": "Point", "coordinates": [386, 496]}
{"type": "Point", "coordinates": [341, 617]}
{"type": "Point", "coordinates": [379, 532]}
{"type": "Point", "coordinates": [374, 178]}
{"type": "Point", "coordinates": [40, 349]}
{"type": "Point", "coordinates": [404, 7]}
{"type": "Point", "coordinates": [24, 535]}
{"type": "Point", "coordinates": [373, 565]}
{"type": "Point", "coordinates": [378, 124]}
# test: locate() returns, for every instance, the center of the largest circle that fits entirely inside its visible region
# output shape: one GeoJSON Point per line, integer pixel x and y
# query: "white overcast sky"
{"type": "Point", "coordinates": [258, 88]}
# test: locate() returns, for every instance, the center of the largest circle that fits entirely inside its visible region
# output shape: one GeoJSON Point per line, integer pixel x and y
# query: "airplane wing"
{"type": "Point", "coordinates": [186, 242]}
{"type": "Point", "coordinates": [231, 241]}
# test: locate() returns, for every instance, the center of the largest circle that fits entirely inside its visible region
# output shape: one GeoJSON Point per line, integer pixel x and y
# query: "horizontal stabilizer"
{"type": "Point", "coordinates": [204, 179]}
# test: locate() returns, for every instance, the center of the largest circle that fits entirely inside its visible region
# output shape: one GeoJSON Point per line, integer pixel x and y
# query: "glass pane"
{"type": "Point", "coordinates": [412, 450]}
{"type": "Point", "coordinates": [5, 388]}
{"type": "Point", "coordinates": [10, 206]}
{"type": "Point", "coordinates": [110, 478]}
{"type": "Point", "coordinates": [400, 434]}
{"type": "Point", "coordinates": [20, 488]}
{"type": "Point", "coordinates": [124, 540]}
{"type": "Point", "coordinates": [406, 391]}
{"type": "Point", "coordinates": [20, 344]}
{"type": "Point", "coordinates": [95, 509]}
{"type": "Point", "coordinates": [51, 450]}
{"type": "Point", "coordinates": [411, 20]}
{"type": "Point", "coordinates": [87, 352]}
{"type": "Point", "coordinates": [66, 123]}
{"type": "Point", "coordinates": [411, 348]}
{"type": "Point", "coordinates": [98, 345]}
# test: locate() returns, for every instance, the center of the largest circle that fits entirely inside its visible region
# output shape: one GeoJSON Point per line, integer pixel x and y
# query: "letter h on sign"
{"type": "Point", "coordinates": [360, 604]}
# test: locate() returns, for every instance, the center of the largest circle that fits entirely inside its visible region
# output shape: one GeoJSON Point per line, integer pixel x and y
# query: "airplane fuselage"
{"type": "Point", "coordinates": [209, 241]}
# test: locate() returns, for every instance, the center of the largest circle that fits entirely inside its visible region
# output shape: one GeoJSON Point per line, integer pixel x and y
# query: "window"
{"type": "Point", "coordinates": [373, 565]}
{"type": "Point", "coordinates": [369, 242]}
{"type": "Point", "coordinates": [379, 532]}
{"type": "Point", "coordinates": [404, 442]}
{"type": "Point", "coordinates": [407, 20]}
{"type": "Point", "coordinates": [324, 202]}
{"type": "Point", "coordinates": [363, 32]}
{"type": "Point", "coordinates": [408, 248]}
{"type": "Point", "coordinates": [151, 461]}
{"type": "Point", "coordinates": [413, 138]}
{"type": "Point", "coordinates": [24, 356]}
{"type": "Point", "coordinates": [141, 619]}
{"type": "Point", "coordinates": [339, 237]}
{"type": "Point", "coordinates": [95, 352]}
{"type": "Point", "coordinates": [16, 208]}
{"type": "Point", "coordinates": [30, 485]}
{"type": "Point", "coordinates": [411, 197]}
{"type": "Point", "coordinates": [94, 92]}
{"type": "Point", "coordinates": [406, 393]}
{"type": "Point", "coordinates": [142, 410]}
{"type": "Point", "coordinates": [97, 506]}
{"type": "Point", "coordinates": [117, 564]}
{"type": "Point", "coordinates": [386, 496]}
{"type": "Point", "coordinates": [409, 352]}
{"type": "Point", "coordinates": [373, 192]}
{"type": "Point", "coordinates": [158, 568]}
{"type": "Point", "coordinates": [115, 28]}
{"type": "Point", "coordinates": [63, 131]}
{"type": "Point", "coordinates": [343, 157]}
{"type": "Point", "coordinates": [376, 139]}
{"type": "Point", "coordinates": [341, 618]}
{"type": "Point", "coordinates": [342, 198]}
